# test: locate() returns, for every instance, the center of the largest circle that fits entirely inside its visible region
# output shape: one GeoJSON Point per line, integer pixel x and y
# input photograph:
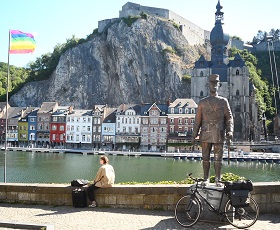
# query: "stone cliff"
{"type": "Point", "coordinates": [144, 62]}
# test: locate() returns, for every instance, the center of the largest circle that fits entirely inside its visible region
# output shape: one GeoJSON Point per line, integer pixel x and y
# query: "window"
{"type": "Point", "coordinates": [32, 119]}
{"type": "Point", "coordinates": [77, 128]}
{"type": "Point", "coordinates": [154, 121]}
{"type": "Point", "coordinates": [53, 127]}
{"type": "Point", "coordinates": [84, 128]}
{"type": "Point", "coordinates": [77, 137]}
{"type": "Point", "coordinates": [61, 127]}
{"type": "Point", "coordinates": [54, 118]}
{"type": "Point", "coordinates": [172, 110]}
{"type": "Point", "coordinates": [201, 73]}
{"type": "Point", "coordinates": [171, 120]}
{"type": "Point", "coordinates": [154, 112]}
{"type": "Point", "coordinates": [145, 121]}
{"type": "Point", "coordinates": [94, 129]}
{"type": "Point", "coordinates": [32, 127]}
{"type": "Point", "coordinates": [53, 136]}
{"type": "Point", "coordinates": [61, 137]}
{"type": "Point", "coordinates": [23, 135]}
{"type": "Point", "coordinates": [72, 127]}
{"type": "Point", "coordinates": [180, 110]}
{"type": "Point", "coordinates": [83, 137]}
{"type": "Point", "coordinates": [237, 92]}
{"type": "Point", "coordinates": [237, 72]}
{"type": "Point", "coordinates": [88, 128]}
{"type": "Point", "coordinates": [201, 93]}
{"type": "Point", "coordinates": [180, 121]}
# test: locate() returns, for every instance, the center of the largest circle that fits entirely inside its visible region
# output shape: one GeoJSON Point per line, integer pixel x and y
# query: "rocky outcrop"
{"type": "Point", "coordinates": [142, 63]}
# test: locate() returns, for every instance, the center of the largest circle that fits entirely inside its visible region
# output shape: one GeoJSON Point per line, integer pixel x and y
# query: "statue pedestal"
{"type": "Point", "coordinates": [213, 195]}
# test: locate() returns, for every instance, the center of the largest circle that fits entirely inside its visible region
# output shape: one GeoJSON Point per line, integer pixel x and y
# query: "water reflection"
{"type": "Point", "coordinates": [62, 168]}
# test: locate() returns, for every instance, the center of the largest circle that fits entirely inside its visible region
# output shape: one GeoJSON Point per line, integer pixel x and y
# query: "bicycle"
{"type": "Point", "coordinates": [240, 215]}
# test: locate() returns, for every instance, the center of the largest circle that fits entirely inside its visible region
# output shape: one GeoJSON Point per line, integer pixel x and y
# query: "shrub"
{"type": "Point", "coordinates": [130, 20]}
{"type": "Point", "coordinates": [169, 49]}
{"type": "Point", "coordinates": [186, 78]}
{"type": "Point", "coordinates": [144, 15]}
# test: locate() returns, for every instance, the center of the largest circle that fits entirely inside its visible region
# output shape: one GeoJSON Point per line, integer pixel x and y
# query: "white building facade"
{"type": "Point", "coordinates": [128, 121]}
{"type": "Point", "coordinates": [79, 128]}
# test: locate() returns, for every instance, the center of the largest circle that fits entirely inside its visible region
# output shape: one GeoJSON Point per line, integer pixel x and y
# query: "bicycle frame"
{"type": "Point", "coordinates": [200, 197]}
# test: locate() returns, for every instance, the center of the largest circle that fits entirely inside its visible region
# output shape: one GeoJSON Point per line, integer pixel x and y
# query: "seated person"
{"type": "Point", "coordinates": [104, 178]}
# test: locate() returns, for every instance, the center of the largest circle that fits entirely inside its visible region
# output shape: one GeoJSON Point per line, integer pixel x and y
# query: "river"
{"type": "Point", "coordinates": [28, 167]}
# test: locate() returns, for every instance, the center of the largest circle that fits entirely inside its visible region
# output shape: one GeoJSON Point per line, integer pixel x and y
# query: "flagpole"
{"type": "Point", "coordinates": [7, 104]}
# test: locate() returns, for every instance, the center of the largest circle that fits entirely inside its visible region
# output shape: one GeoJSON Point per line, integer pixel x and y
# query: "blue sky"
{"type": "Point", "coordinates": [54, 21]}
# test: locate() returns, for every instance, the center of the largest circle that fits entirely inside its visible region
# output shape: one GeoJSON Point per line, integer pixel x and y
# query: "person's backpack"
{"type": "Point", "coordinates": [79, 182]}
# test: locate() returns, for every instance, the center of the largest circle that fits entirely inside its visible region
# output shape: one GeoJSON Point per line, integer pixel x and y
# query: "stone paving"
{"type": "Point", "coordinates": [67, 217]}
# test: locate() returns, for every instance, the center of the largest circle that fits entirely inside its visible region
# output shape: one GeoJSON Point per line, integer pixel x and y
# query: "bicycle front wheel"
{"type": "Point", "coordinates": [243, 217]}
{"type": "Point", "coordinates": [188, 210]}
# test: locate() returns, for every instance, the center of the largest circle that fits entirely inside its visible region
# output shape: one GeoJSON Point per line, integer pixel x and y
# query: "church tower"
{"type": "Point", "coordinates": [234, 79]}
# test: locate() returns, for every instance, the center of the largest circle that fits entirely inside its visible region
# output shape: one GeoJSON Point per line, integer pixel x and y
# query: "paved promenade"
{"type": "Point", "coordinates": [67, 218]}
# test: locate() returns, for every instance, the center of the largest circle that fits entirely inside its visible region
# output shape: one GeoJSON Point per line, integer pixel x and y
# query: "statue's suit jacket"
{"type": "Point", "coordinates": [214, 117]}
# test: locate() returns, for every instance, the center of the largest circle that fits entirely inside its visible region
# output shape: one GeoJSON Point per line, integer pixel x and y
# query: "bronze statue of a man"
{"type": "Point", "coordinates": [214, 119]}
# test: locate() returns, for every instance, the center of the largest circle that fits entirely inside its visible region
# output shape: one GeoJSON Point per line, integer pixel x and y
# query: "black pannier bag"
{"type": "Point", "coordinates": [79, 198]}
{"type": "Point", "coordinates": [79, 182]}
{"type": "Point", "coordinates": [239, 185]}
{"type": "Point", "coordinates": [239, 198]}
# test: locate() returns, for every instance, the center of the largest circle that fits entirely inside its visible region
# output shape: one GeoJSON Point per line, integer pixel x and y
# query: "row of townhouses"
{"type": "Point", "coordinates": [147, 127]}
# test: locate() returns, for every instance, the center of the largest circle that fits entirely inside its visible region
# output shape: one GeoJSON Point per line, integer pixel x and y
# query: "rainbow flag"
{"type": "Point", "coordinates": [21, 43]}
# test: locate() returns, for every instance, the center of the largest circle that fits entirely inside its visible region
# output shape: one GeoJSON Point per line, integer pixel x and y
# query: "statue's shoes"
{"type": "Point", "coordinates": [205, 183]}
{"type": "Point", "coordinates": [218, 183]}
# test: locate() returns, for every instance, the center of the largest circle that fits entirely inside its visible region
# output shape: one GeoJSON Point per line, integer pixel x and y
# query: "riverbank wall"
{"type": "Point", "coordinates": [267, 195]}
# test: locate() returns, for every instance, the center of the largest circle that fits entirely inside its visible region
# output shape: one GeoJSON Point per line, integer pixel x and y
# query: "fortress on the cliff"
{"type": "Point", "coordinates": [193, 33]}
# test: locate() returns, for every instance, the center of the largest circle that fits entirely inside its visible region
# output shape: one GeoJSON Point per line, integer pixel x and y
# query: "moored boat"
{"type": "Point", "coordinates": [240, 159]}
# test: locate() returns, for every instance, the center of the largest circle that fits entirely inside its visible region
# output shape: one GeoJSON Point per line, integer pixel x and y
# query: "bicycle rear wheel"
{"type": "Point", "coordinates": [188, 211]}
{"type": "Point", "coordinates": [243, 217]}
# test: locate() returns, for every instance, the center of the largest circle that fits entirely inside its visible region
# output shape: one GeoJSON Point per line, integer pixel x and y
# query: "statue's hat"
{"type": "Point", "coordinates": [214, 78]}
